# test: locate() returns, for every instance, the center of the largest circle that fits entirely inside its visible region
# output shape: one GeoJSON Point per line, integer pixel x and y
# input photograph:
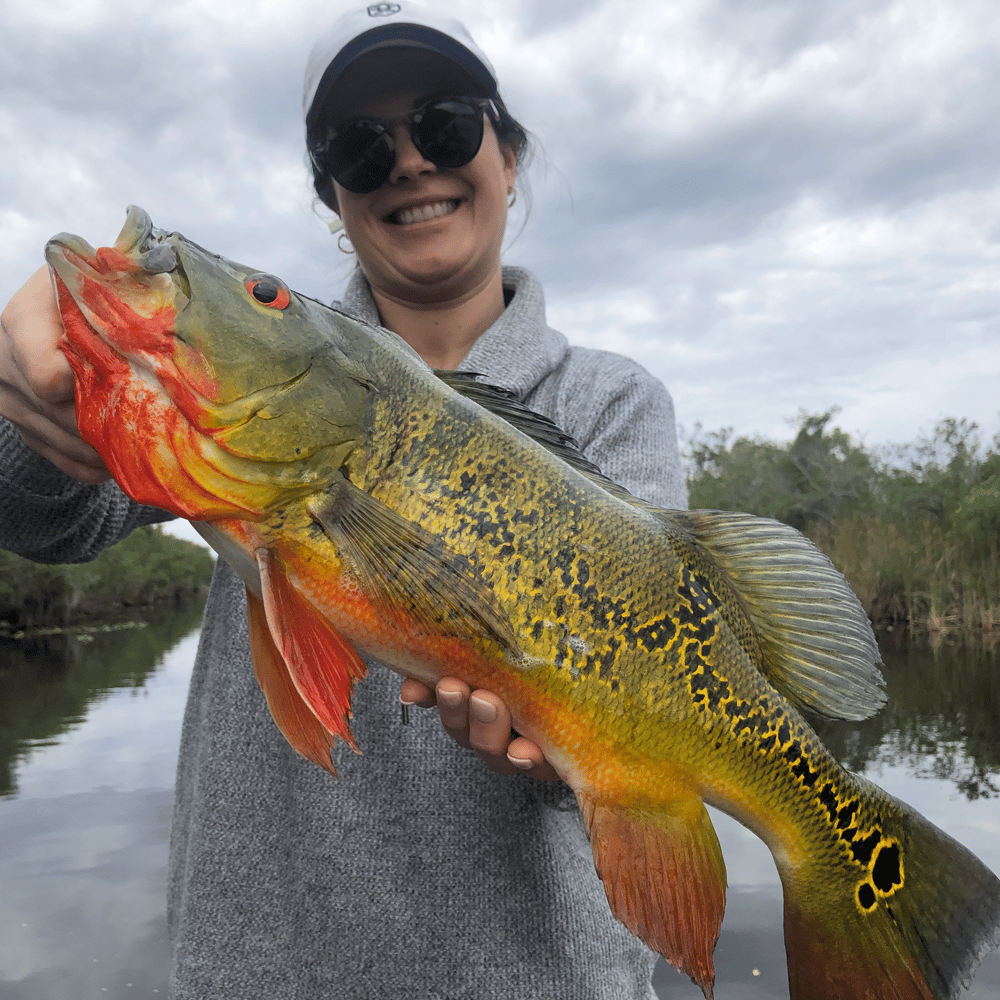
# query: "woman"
{"type": "Point", "coordinates": [418, 871]}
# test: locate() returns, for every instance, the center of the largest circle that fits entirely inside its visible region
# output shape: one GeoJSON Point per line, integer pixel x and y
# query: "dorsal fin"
{"type": "Point", "coordinates": [816, 642]}
{"type": "Point", "coordinates": [505, 404]}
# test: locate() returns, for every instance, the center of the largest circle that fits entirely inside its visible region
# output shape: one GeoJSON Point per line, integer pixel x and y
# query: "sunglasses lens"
{"type": "Point", "coordinates": [449, 133]}
{"type": "Point", "coordinates": [360, 157]}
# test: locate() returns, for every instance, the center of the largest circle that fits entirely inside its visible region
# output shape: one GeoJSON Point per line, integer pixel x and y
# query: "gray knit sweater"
{"type": "Point", "coordinates": [417, 872]}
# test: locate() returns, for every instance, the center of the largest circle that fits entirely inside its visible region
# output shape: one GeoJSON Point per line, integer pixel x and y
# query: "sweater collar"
{"type": "Point", "coordinates": [517, 351]}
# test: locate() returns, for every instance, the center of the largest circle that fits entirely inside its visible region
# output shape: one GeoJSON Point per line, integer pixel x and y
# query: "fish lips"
{"type": "Point", "coordinates": [139, 247]}
{"type": "Point", "coordinates": [141, 270]}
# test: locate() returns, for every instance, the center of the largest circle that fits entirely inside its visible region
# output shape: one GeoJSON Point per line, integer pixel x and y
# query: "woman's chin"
{"type": "Point", "coordinates": [435, 277]}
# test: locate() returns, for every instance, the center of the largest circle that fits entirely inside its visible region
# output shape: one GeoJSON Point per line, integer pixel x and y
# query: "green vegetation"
{"type": "Point", "coordinates": [148, 566]}
{"type": "Point", "coordinates": [914, 528]}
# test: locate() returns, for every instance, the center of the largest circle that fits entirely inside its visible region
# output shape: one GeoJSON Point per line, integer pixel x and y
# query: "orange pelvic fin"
{"type": "Point", "coordinates": [315, 670]}
{"type": "Point", "coordinates": [293, 716]}
{"type": "Point", "coordinates": [664, 877]}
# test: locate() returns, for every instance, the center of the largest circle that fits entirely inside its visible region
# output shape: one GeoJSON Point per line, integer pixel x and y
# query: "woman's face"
{"type": "Point", "coordinates": [440, 257]}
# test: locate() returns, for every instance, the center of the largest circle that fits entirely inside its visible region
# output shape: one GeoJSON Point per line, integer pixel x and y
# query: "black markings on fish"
{"type": "Point", "coordinates": [861, 850]}
{"type": "Point", "coordinates": [886, 872]}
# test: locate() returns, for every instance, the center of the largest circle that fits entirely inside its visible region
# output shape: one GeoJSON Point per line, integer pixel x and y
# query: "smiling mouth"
{"type": "Point", "coordinates": [421, 213]}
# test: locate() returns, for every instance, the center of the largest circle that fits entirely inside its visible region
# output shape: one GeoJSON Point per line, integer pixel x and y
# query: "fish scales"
{"type": "Point", "coordinates": [595, 647]}
{"type": "Point", "coordinates": [658, 658]}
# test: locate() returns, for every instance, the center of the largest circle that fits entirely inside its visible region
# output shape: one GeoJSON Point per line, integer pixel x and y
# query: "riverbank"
{"type": "Point", "coordinates": [149, 567]}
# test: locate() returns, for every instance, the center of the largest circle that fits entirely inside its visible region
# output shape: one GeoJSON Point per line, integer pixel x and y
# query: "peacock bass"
{"type": "Point", "coordinates": [658, 658]}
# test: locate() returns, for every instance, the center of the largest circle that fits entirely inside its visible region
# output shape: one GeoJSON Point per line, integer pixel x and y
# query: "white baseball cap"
{"type": "Point", "coordinates": [389, 25]}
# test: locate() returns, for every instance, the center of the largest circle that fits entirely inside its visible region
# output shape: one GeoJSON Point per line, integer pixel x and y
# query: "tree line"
{"type": "Point", "coordinates": [147, 567]}
{"type": "Point", "coordinates": [915, 528]}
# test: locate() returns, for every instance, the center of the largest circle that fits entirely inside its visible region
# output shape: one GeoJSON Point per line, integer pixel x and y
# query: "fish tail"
{"type": "Point", "coordinates": [907, 915]}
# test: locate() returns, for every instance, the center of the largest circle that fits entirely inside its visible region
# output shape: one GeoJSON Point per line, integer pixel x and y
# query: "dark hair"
{"type": "Point", "coordinates": [508, 130]}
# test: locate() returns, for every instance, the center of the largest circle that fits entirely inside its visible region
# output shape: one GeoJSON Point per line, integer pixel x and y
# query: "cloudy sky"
{"type": "Point", "coordinates": [773, 205]}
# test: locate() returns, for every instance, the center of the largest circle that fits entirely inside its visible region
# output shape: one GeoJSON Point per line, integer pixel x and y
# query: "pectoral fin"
{"type": "Point", "coordinates": [409, 573]}
{"type": "Point", "coordinates": [664, 877]}
{"type": "Point", "coordinates": [304, 666]}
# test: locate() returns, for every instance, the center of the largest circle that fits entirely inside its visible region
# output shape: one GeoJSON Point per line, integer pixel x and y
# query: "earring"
{"type": "Point", "coordinates": [513, 197]}
{"type": "Point", "coordinates": [340, 243]}
{"type": "Point", "coordinates": [335, 224]}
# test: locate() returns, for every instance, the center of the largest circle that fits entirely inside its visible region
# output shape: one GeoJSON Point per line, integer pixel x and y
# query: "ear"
{"type": "Point", "coordinates": [508, 154]}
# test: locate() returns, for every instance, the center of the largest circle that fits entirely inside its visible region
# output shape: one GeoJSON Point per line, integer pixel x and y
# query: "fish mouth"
{"type": "Point", "coordinates": [141, 269]}
{"type": "Point", "coordinates": [144, 243]}
{"type": "Point", "coordinates": [140, 246]}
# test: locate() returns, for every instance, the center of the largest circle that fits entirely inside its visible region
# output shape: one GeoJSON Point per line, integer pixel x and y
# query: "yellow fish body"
{"type": "Point", "coordinates": [656, 657]}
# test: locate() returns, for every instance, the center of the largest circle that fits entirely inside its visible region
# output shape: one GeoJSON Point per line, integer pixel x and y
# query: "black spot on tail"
{"type": "Point", "coordinates": [885, 872]}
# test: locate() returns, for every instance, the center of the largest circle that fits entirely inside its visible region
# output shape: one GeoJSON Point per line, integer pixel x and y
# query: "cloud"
{"type": "Point", "coordinates": [772, 205]}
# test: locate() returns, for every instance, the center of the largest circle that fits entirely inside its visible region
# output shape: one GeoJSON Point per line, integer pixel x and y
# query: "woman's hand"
{"type": "Point", "coordinates": [480, 720]}
{"type": "Point", "coordinates": [36, 382]}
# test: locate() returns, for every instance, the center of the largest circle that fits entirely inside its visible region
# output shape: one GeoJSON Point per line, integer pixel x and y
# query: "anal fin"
{"type": "Point", "coordinates": [664, 877]}
{"type": "Point", "coordinates": [304, 666]}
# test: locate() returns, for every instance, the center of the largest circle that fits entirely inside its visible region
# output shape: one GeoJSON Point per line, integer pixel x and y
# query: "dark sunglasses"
{"type": "Point", "coordinates": [360, 154]}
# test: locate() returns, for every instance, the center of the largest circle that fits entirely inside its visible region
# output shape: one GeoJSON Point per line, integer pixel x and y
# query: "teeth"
{"type": "Point", "coordinates": [421, 213]}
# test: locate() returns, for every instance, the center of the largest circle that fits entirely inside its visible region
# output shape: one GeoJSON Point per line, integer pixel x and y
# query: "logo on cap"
{"type": "Point", "coordinates": [383, 9]}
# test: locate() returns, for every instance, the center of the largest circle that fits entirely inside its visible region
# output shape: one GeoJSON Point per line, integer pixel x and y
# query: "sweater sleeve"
{"type": "Point", "coordinates": [50, 517]}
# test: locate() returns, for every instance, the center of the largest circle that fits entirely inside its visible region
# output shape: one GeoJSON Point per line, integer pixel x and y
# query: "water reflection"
{"type": "Point", "coordinates": [50, 681]}
{"type": "Point", "coordinates": [942, 719]}
{"type": "Point", "coordinates": [88, 738]}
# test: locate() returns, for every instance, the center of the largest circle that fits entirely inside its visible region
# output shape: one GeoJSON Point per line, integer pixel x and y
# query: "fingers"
{"type": "Point", "coordinates": [490, 729]}
{"type": "Point", "coordinates": [32, 330]}
{"type": "Point", "coordinates": [413, 692]}
{"type": "Point", "coordinates": [526, 756]}
{"type": "Point", "coordinates": [36, 381]}
{"type": "Point", "coordinates": [481, 721]}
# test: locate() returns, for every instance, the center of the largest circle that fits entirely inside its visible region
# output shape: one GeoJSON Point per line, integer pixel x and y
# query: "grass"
{"type": "Point", "coordinates": [915, 528]}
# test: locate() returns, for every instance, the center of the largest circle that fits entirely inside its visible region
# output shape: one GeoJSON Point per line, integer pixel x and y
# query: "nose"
{"type": "Point", "coordinates": [410, 162]}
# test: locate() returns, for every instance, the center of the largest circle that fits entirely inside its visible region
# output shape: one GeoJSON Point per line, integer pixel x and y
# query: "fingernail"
{"type": "Point", "coordinates": [450, 699]}
{"type": "Point", "coordinates": [482, 711]}
{"type": "Point", "coordinates": [521, 762]}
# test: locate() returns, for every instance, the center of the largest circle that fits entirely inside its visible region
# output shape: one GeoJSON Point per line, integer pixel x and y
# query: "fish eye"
{"type": "Point", "coordinates": [268, 290]}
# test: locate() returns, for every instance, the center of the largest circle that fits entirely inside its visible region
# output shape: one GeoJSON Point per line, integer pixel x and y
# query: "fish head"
{"type": "Point", "coordinates": [208, 388]}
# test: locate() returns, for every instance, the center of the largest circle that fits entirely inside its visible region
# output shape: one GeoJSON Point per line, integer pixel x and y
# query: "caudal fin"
{"type": "Point", "coordinates": [912, 922]}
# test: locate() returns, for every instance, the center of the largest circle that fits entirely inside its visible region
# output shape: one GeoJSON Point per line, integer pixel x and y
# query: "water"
{"type": "Point", "coordinates": [88, 741]}
{"type": "Point", "coordinates": [89, 726]}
